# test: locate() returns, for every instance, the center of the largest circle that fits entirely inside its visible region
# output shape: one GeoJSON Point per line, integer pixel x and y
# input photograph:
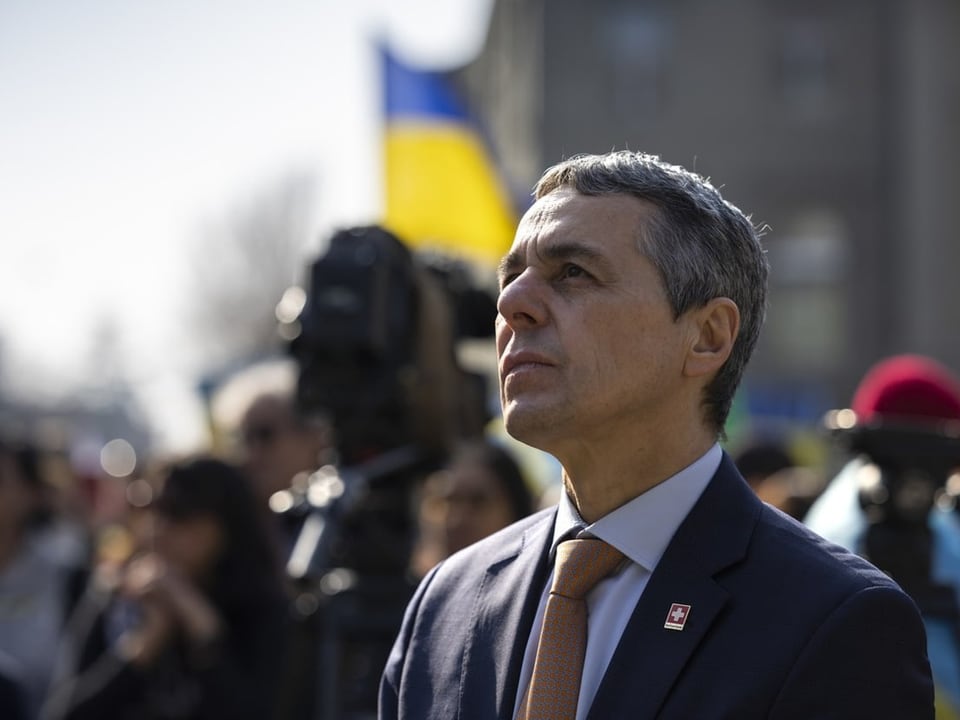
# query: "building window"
{"type": "Point", "coordinates": [807, 320]}
{"type": "Point", "coordinates": [637, 43]}
{"type": "Point", "coordinates": [805, 67]}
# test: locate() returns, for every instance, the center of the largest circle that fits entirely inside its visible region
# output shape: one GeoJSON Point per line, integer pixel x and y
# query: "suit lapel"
{"type": "Point", "coordinates": [503, 615]}
{"type": "Point", "coordinates": [650, 656]}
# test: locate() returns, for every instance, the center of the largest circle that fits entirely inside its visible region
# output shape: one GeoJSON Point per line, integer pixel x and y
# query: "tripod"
{"type": "Point", "coordinates": [349, 567]}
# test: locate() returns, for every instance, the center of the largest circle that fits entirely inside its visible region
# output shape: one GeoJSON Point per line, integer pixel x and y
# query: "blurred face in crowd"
{"type": "Point", "coordinates": [277, 446]}
{"type": "Point", "coordinates": [190, 544]}
{"type": "Point", "coordinates": [465, 503]}
{"type": "Point", "coordinates": [17, 499]}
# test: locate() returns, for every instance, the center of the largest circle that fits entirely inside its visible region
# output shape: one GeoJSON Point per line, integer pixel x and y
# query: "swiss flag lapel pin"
{"type": "Point", "coordinates": [677, 616]}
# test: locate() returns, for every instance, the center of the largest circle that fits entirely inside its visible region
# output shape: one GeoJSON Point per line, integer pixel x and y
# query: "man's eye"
{"type": "Point", "coordinates": [570, 270]}
{"type": "Point", "coordinates": [507, 279]}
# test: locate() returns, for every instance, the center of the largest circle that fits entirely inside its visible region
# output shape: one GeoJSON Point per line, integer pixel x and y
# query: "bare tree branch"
{"type": "Point", "coordinates": [241, 267]}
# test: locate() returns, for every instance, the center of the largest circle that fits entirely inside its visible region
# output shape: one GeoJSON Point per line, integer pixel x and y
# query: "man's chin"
{"type": "Point", "coordinates": [528, 425]}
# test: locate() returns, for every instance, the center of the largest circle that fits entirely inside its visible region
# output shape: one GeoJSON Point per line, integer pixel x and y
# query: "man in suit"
{"type": "Point", "coordinates": [629, 305]}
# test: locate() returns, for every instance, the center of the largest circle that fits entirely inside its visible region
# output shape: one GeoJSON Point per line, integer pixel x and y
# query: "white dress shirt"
{"type": "Point", "coordinates": [641, 529]}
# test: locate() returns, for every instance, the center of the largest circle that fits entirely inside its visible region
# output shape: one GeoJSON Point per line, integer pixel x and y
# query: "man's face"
{"type": "Point", "coordinates": [588, 348]}
{"type": "Point", "coordinates": [276, 447]}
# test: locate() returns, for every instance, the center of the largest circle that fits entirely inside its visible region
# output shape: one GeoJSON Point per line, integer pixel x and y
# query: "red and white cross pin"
{"type": "Point", "coordinates": [677, 616]}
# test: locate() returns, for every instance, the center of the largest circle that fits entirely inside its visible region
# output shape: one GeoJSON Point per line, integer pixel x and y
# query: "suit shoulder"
{"type": "Point", "coordinates": [799, 551]}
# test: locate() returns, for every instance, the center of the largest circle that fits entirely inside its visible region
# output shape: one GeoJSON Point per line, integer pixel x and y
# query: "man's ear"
{"type": "Point", "coordinates": [715, 327]}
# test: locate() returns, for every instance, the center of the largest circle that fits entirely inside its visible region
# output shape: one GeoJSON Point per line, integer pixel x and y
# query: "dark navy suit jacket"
{"type": "Point", "coordinates": [782, 625]}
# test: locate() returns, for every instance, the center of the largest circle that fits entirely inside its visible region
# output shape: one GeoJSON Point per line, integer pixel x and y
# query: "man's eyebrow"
{"type": "Point", "coordinates": [566, 250]}
{"type": "Point", "coordinates": [572, 250]}
{"type": "Point", "coordinates": [511, 260]}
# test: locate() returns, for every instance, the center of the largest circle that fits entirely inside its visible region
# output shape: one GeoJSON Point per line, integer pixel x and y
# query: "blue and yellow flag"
{"type": "Point", "coordinates": [442, 190]}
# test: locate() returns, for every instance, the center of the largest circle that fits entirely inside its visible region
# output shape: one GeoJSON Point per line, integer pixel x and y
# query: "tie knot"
{"type": "Point", "coordinates": [581, 564]}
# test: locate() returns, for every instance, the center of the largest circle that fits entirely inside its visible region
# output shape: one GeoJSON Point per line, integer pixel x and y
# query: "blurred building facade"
{"type": "Point", "coordinates": [836, 124]}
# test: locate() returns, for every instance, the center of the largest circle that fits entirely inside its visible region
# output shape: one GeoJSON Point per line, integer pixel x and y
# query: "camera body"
{"type": "Point", "coordinates": [376, 352]}
{"type": "Point", "coordinates": [902, 478]}
{"type": "Point", "coordinates": [356, 350]}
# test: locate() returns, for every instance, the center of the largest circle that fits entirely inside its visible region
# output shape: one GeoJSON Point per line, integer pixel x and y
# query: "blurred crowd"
{"type": "Point", "coordinates": [165, 609]}
{"type": "Point", "coordinates": [265, 577]}
{"type": "Point", "coordinates": [171, 605]}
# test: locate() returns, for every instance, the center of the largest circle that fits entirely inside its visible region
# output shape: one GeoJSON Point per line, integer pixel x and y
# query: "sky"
{"type": "Point", "coordinates": [127, 127]}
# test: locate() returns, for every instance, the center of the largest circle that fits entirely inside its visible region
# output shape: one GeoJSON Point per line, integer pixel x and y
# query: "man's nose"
{"type": "Point", "coordinates": [521, 303]}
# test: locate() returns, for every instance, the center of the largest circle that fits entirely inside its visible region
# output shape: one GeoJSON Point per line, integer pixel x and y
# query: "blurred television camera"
{"type": "Point", "coordinates": [903, 429]}
{"type": "Point", "coordinates": [376, 349]}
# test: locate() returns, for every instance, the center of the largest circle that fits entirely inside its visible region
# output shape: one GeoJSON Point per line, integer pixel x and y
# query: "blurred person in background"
{"type": "Point", "coordinates": [894, 502]}
{"type": "Point", "coordinates": [39, 581]}
{"type": "Point", "coordinates": [771, 472]}
{"type": "Point", "coordinates": [480, 490]}
{"type": "Point", "coordinates": [279, 448]}
{"type": "Point", "coordinates": [279, 443]}
{"type": "Point", "coordinates": [194, 625]}
{"type": "Point", "coordinates": [257, 424]}
{"type": "Point", "coordinates": [759, 459]}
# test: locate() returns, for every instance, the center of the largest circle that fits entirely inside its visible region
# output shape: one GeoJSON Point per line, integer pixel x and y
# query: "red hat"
{"type": "Point", "coordinates": [907, 388]}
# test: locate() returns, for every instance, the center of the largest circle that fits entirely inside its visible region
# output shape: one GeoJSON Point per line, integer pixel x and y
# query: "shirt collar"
{"type": "Point", "coordinates": [642, 528]}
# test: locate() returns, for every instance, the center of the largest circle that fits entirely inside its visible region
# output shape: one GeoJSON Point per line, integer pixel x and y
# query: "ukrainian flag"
{"type": "Point", "coordinates": [442, 190]}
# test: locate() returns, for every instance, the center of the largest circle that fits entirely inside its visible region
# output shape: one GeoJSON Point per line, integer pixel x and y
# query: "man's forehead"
{"type": "Point", "coordinates": [549, 206]}
{"type": "Point", "coordinates": [566, 216]}
{"type": "Point", "coordinates": [567, 207]}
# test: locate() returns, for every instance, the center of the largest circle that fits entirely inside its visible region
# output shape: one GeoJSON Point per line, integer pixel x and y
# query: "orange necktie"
{"type": "Point", "coordinates": [555, 682]}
